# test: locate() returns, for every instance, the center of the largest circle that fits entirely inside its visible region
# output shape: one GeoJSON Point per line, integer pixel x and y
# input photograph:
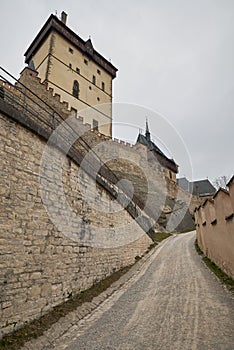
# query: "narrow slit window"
{"type": "Point", "coordinates": [95, 124]}
{"type": "Point", "coordinates": [75, 90]}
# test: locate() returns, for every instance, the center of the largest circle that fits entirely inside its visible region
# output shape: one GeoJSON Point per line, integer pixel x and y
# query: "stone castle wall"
{"type": "Point", "coordinates": [215, 228]}
{"type": "Point", "coordinates": [40, 265]}
{"type": "Point", "coordinates": [43, 263]}
{"type": "Point", "coordinates": [153, 187]}
{"type": "Point", "coordinates": [127, 161]}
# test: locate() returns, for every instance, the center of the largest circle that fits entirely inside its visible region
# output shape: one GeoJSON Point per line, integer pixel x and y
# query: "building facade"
{"type": "Point", "coordinates": [75, 71]}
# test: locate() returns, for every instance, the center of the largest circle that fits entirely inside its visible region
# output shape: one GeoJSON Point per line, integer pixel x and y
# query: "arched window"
{"type": "Point", "coordinates": [75, 91]}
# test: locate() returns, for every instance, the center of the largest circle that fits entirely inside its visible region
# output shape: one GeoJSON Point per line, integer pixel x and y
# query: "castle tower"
{"type": "Point", "coordinates": [74, 70]}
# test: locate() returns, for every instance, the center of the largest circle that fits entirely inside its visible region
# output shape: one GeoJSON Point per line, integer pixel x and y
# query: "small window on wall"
{"type": "Point", "coordinates": [95, 124]}
{"type": "Point", "coordinates": [70, 50]}
{"type": "Point", "coordinates": [103, 86]}
{"type": "Point", "coordinates": [170, 174]}
{"type": "Point", "coordinates": [77, 70]}
{"type": "Point", "coordinates": [86, 61]}
{"type": "Point", "coordinates": [99, 72]}
{"type": "Point", "coordinates": [70, 65]}
{"type": "Point", "coordinates": [75, 90]}
{"type": "Point", "coordinates": [94, 79]}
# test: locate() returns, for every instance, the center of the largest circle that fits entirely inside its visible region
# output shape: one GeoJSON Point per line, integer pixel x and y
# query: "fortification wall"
{"type": "Point", "coordinates": [152, 184]}
{"type": "Point", "coordinates": [40, 265]}
{"type": "Point", "coordinates": [215, 228]}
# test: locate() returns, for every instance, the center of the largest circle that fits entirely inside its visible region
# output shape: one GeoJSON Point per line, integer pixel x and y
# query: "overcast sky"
{"type": "Point", "coordinates": [175, 58]}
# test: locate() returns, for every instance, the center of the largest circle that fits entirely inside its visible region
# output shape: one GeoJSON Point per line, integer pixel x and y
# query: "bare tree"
{"type": "Point", "coordinates": [221, 181]}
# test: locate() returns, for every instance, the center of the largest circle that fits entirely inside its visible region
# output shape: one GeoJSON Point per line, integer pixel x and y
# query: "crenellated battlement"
{"type": "Point", "coordinates": [30, 79]}
{"type": "Point", "coordinates": [128, 161]}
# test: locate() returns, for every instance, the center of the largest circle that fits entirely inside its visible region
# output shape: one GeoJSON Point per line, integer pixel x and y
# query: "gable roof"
{"type": "Point", "coordinates": [184, 183]}
{"type": "Point", "coordinates": [202, 188]}
{"type": "Point", "coordinates": [150, 144]}
{"type": "Point", "coordinates": [161, 157]}
{"type": "Point", "coordinates": [54, 24]}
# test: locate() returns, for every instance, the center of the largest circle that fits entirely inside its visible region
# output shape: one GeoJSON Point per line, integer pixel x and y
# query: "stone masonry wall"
{"type": "Point", "coordinates": [40, 265]}
{"type": "Point", "coordinates": [153, 189]}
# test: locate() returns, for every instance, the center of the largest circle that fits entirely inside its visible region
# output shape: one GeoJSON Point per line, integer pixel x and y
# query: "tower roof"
{"type": "Point", "coordinates": [151, 146]}
{"type": "Point", "coordinates": [54, 24]}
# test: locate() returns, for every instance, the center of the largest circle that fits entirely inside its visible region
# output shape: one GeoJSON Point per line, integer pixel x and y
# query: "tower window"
{"type": "Point", "coordinates": [75, 90]}
{"type": "Point", "coordinates": [70, 65]}
{"type": "Point", "coordinates": [77, 70]}
{"type": "Point", "coordinates": [86, 61]}
{"type": "Point", "coordinates": [70, 50]}
{"type": "Point", "coordinates": [94, 79]}
{"type": "Point", "coordinates": [98, 98]}
{"type": "Point", "coordinates": [95, 124]}
{"type": "Point", "coordinates": [103, 86]}
{"type": "Point", "coordinates": [99, 72]}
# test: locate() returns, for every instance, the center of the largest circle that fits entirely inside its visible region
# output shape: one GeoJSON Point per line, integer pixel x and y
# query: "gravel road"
{"type": "Point", "coordinates": [174, 302]}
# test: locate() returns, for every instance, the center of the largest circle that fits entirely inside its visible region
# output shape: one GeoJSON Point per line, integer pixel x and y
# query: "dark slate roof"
{"type": "Point", "coordinates": [184, 183]}
{"type": "Point", "coordinates": [150, 144]}
{"type": "Point", "coordinates": [199, 188]}
{"type": "Point", "coordinates": [162, 158]}
{"type": "Point", "coordinates": [202, 188]}
{"type": "Point", "coordinates": [54, 24]}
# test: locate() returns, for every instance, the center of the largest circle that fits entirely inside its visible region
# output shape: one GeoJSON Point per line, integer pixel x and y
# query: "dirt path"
{"type": "Point", "coordinates": [174, 302]}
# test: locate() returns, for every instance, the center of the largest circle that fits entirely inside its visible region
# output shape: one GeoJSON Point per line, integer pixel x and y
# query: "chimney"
{"type": "Point", "coordinates": [64, 17]}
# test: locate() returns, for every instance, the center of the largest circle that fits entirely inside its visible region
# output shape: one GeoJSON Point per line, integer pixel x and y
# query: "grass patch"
{"type": "Point", "coordinates": [36, 328]}
{"type": "Point", "coordinates": [160, 236]}
{"type": "Point", "coordinates": [186, 231]}
{"type": "Point", "coordinates": [198, 248]}
{"type": "Point", "coordinates": [223, 277]}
